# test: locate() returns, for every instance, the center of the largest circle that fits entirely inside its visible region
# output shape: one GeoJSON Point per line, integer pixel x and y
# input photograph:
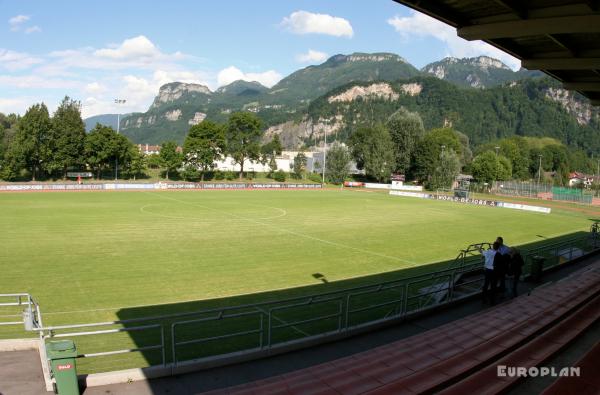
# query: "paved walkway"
{"type": "Point", "coordinates": [21, 373]}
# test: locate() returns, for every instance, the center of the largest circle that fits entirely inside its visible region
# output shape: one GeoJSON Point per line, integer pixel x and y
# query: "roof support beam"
{"type": "Point", "coordinates": [532, 27]}
{"type": "Point", "coordinates": [516, 7]}
{"type": "Point", "coordinates": [582, 86]}
{"type": "Point", "coordinates": [561, 44]}
{"type": "Point", "coordinates": [561, 64]}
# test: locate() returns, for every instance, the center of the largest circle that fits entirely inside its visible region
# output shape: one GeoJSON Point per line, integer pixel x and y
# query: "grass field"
{"type": "Point", "coordinates": [101, 256]}
{"type": "Point", "coordinates": [98, 250]}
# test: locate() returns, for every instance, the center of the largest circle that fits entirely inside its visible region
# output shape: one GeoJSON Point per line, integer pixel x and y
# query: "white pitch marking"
{"type": "Point", "coordinates": [413, 264]}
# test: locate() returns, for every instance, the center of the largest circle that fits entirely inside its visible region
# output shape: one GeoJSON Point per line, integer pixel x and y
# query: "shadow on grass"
{"type": "Point", "coordinates": [207, 329]}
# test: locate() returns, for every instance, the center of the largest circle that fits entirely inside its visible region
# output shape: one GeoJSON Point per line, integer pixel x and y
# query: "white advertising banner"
{"type": "Point", "coordinates": [410, 194]}
{"type": "Point", "coordinates": [377, 186]}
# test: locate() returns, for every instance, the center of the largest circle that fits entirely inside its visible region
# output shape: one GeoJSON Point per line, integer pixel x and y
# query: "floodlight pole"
{"type": "Point", "coordinates": [540, 170]}
{"type": "Point", "coordinates": [118, 101]}
{"type": "Point", "coordinates": [598, 178]}
{"type": "Point", "coordinates": [324, 155]}
{"type": "Point", "coordinates": [497, 165]}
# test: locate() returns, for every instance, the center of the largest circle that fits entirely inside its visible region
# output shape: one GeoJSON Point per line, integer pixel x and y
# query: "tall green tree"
{"type": "Point", "coordinates": [337, 163]}
{"type": "Point", "coordinates": [299, 164]}
{"type": "Point", "coordinates": [103, 147]}
{"type": "Point", "coordinates": [373, 149]}
{"type": "Point", "coordinates": [135, 164]}
{"type": "Point", "coordinates": [406, 130]}
{"type": "Point", "coordinates": [489, 167]}
{"type": "Point", "coordinates": [68, 136]}
{"type": "Point", "coordinates": [446, 171]}
{"type": "Point", "coordinates": [242, 138]}
{"type": "Point", "coordinates": [427, 155]}
{"type": "Point", "coordinates": [203, 146]}
{"type": "Point", "coordinates": [33, 140]}
{"type": "Point", "coordinates": [269, 151]}
{"type": "Point", "coordinates": [170, 159]}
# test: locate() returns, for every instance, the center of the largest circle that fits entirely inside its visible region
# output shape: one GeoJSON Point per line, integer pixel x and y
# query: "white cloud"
{"type": "Point", "coordinates": [421, 25]}
{"type": "Point", "coordinates": [162, 77]}
{"type": "Point", "coordinates": [33, 29]}
{"type": "Point", "coordinates": [136, 47]}
{"type": "Point", "coordinates": [311, 56]}
{"type": "Point", "coordinates": [232, 73]}
{"type": "Point", "coordinates": [13, 61]}
{"type": "Point", "coordinates": [16, 21]}
{"type": "Point", "coordinates": [133, 53]}
{"type": "Point", "coordinates": [36, 82]}
{"type": "Point", "coordinates": [94, 88]}
{"type": "Point", "coordinates": [14, 105]}
{"type": "Point", "coordinates": [304, 22]}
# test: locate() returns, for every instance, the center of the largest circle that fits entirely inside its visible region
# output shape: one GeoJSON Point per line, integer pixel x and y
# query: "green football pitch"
{"type": "Point", "coordinates": [85, 255]}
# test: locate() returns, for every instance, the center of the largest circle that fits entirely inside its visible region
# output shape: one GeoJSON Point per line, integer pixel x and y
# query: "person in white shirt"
{"type": "Point", "coordinates": [489, 283]}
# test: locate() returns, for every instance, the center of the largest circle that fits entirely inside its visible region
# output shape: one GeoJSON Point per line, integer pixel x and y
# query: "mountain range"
{"type": "Point", "coordinates": [347, 91]}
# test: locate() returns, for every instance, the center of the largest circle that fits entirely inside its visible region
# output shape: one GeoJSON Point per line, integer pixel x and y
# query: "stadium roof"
{"type": "Point", "coordinates": [559, 37]}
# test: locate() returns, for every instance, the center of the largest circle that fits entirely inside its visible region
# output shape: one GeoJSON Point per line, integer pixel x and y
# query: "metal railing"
{"type": "Point", "coordinates": [216, 334]}
{"type": "Point", "coordinates": [31, 316]}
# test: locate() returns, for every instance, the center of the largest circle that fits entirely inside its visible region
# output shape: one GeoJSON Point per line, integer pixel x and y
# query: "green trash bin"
{"type": "Point", "coordinates": [62, 354]}
{"type": "Point", "coordinates": [537, 268]}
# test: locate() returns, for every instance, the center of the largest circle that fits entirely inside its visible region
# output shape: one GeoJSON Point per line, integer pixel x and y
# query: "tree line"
{"type": "Point", "coordinates": [41, 146]}
{"type": "Point", "coordinates": [435, 157]}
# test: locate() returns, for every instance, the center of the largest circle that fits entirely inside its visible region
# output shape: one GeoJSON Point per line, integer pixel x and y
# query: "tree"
{"type": "Point", "coordinates": [136, 162]}
{"type": "Point", "coordinates": [68, 136]}
{"type": "Point", "coordinates": [504, 169]}
{"type": "Point", "coordinates": [243, 138]}
{"type": "Point", "coordinates": [446, 171]}
{"type": "Point", "coordinates": [406, 130]}
{"type": "Point", "coordinates": [103, 147]}
{"type": "Point", "coordinates": [489, 167]}
{"type": "Point", "coordinates": [32, 142]}
{"type": "Point", "coordinates": [203, 146]}
{"type": "Point", "coordinates": [358, 144]}
{"type": "Point", "coordinates": [429, 149]}
{"type": "Point", "coordinates": [373, 148]}
{"type": "Point", "coordinates": [170, 159]}
{"type": "Point", "coordinates": [153, 161]}
{"type": "Point", "coordinates": [269, 151]}
{"type": "Point", "coordinates": [337, 163]}
{"type": "Point", "coordinates": [299, 164]}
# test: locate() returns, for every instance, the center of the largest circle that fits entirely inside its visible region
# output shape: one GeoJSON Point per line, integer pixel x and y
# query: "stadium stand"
{"type": "Point", "coordinates": [459, 357]}
{"type": "Point", "coordinates": [588, 383]}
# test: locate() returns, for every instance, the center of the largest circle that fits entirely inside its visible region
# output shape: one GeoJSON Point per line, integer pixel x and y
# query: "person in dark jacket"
{"type": "Point", "coordinates": [502, 267]}
{"type": "Point", "coordinates": [515, 269]}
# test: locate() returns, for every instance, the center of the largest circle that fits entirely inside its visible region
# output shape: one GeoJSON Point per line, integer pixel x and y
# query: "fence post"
{"type": "Point", "coordinates": [173, 345]}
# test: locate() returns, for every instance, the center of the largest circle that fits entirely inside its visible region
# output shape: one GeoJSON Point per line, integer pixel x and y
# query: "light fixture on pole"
{"type": "Point", "coordinates": [118, 101]}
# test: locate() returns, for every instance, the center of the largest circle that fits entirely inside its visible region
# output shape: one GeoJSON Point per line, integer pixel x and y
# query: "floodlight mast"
{"type": "Point", "coordinates": [118, 101]}
{"type": "Point", "coordinates": [324, 154]}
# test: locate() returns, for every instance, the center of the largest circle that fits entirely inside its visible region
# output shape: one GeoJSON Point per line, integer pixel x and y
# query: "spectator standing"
{"type": "Point", "coordinates": [516, 264]}
{"type": "Point", "coordinates": [502, 266]}
{"type": "Point", "coordinates": [489, 282]}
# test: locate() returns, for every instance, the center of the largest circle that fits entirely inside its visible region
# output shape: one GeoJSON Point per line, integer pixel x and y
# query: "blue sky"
{"type": "Point", "coordinates": [96, 51]}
